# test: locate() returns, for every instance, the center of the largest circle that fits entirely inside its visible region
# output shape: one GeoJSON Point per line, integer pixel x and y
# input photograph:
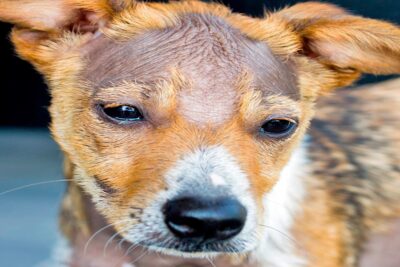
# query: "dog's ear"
{"type": "Point", "coordinates": [39, 22]}
{"type": "Point", "coordinates": [345, 44]}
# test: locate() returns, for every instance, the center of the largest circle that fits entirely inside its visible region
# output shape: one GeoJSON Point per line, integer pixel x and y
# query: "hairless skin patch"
{"type": "Point", "coordinates": [209, 53]}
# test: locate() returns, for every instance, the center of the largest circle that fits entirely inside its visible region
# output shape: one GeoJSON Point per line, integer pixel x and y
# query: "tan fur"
{"type": "Point", "coordinates": [318, 222]}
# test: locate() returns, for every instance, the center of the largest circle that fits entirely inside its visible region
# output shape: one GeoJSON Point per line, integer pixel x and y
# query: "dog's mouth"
{"type": "Point", "coordinates": [192, 249]}
{"type": "Point", "coordinates": [168, 244]}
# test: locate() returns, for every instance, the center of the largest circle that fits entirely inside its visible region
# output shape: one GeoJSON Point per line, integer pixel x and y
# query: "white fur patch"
{"type": "Point", "coordinates": [217, 180]}
{"type": "Point", "coordinates": [278, 248]}
{"type": "Point", "coordinates": [205, 172]}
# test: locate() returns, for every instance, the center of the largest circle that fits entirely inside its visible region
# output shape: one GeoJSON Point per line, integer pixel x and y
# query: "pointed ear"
{"type": "Point", "coordinates": [39, 22]}
{"type": "Point", "coordinates": [343, 42]}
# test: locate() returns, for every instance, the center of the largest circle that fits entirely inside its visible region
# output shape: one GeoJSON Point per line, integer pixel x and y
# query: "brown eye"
{"type": "Point", "coordinates": [123, 113]}
{"type": "Point", "coordinates": [278, 128]}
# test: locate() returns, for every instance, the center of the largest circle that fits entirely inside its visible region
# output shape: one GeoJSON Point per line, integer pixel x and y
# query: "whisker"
{"type": "Point", "coordinates": [283, 234]}
{"type": "Point", "coordinates": [131, 248]}
{"type": "Point", "coordinates": [158, 254]}
{"type": "Point", "coordinates": [123, 239]}
{"type": "Point", "coordinates": [32, 185]}
{"type": "Point", "coordinates": [125, 254]}
{"type": "Point", "coordinates": [112, 238]}
{"type": "Point", "coordinates": [141, 256]}
{"type": "Point", "coordinates": [211, 262]}
{"type": "Point", "coordinates": [98, 232]}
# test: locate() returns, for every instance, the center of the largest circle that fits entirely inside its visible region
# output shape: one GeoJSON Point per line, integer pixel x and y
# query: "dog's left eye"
{"type": "Point", "coordinates": [278, 128]}
{"type": "Point", "coordinates": [123, 113]}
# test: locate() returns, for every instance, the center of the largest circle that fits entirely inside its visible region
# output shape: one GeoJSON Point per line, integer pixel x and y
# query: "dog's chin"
{"type": "Point", "coordinates": [189, 254]}
{"type": "Point", "coordinates": [144, 256]}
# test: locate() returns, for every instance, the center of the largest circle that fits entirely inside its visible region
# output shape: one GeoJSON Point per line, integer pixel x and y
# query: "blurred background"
{"type": "Point", "coordinates": [28, 220]}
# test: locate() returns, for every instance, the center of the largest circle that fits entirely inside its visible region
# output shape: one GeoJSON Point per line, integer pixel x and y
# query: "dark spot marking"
{"type": "Point", "coordinates": [136, 209]}
{"type": "Point", "coordinates": [105, 187]}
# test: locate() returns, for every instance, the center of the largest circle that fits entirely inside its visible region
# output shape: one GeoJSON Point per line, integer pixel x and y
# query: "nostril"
{"type": "Point", "coordinates": [230, 227]}
{"type": "Point", "coordinates": [181, 230]}
{"type": "Point", "coordinates": [208, 219]}
{"type": "Point", "coordinates": [183, 226]}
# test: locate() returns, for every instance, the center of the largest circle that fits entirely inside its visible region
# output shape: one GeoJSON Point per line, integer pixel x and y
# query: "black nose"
{"type": "Point", "coordinates": [205, 219]}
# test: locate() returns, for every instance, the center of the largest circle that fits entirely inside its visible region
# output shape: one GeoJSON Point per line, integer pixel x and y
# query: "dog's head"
{"type": "Point", "coordinates": [180, 117]}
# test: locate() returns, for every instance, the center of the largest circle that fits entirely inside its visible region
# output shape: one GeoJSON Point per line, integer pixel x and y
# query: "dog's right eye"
{"type": "Point", "coordinates": [123, 113]}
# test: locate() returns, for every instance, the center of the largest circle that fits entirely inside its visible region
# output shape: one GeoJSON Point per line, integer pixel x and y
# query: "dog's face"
{"type": "Point", "coordinates": [179, 118]}
{"type": "Point", "coordinates": [183, 132]}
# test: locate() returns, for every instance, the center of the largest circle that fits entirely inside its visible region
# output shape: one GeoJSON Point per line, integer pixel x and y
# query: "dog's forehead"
{"type": "Point", "coordinates": [210, 55]}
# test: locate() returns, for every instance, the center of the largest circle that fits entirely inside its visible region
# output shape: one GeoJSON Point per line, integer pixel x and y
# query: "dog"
{"type": "Point", "coordinates": [184, 124]}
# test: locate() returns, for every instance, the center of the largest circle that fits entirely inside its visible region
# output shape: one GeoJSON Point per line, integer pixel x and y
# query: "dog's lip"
{"type": "Point", "coordinates": [193, 250]}
{"type": "Point", "coordinates": [165, 259]}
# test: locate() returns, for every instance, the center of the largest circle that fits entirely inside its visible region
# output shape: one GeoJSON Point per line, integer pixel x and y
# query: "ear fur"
{"type": "Point", "coordinates": [40, 23]}
{"type": "Point", "coordinates": [56, 15]}
{"type": "Point", "coordinates": [345, 44]}
{"type": "Point", "coordinates": [366, 45]}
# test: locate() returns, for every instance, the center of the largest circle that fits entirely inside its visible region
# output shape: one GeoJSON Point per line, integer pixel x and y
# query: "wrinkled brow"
{"type": "Point", "coordinates": [210, 54]}
{"type": "Point", "coordinates": [124, 88]}
{"type": "Point", "coordinates": [161, 92]}
{"type": "Point", "coordinates": [257, 105]}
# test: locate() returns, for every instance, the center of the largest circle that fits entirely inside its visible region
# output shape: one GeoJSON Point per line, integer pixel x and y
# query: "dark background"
{"type": "Point", "coordinates": [23, 94]}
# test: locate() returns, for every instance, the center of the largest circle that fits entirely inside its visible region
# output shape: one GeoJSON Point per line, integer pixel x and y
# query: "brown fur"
{"type": "Point", "coordinates": [206, 76]}
{"type": "Point", "coordinates": [356, 156]}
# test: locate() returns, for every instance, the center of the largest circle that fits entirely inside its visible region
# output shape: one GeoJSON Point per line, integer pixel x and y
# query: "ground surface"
{"type": "Point", "coordinates": [28, 217]}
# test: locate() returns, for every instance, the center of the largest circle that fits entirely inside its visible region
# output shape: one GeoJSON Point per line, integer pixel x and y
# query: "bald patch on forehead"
{"type": "Point", "coordinates": [210, 54]}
